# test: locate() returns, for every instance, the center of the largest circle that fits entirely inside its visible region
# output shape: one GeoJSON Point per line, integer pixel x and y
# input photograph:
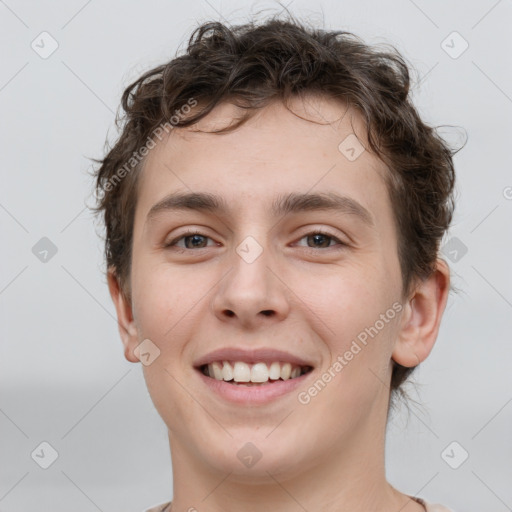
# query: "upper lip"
{"type": "Point", "coordinates": [251, 356]}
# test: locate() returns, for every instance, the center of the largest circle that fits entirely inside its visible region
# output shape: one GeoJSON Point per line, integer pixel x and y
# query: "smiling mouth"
{"type": "Point", "coordinates": [258, 374]}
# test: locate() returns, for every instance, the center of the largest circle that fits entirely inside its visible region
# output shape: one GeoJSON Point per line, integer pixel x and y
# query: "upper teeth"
{"type": "Point", "coordinates": [258, 372]}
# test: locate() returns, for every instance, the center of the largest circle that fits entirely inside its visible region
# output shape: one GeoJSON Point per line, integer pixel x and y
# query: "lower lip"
{"type": "Point", "coordinates": [251, 395]}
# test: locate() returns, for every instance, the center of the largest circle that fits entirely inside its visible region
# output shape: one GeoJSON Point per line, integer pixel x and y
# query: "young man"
{"type": "Point", "coordinates": [274, 208]}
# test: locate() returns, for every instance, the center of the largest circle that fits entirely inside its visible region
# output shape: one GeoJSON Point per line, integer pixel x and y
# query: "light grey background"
{"type": "Point", "coordinates": [63, 376]}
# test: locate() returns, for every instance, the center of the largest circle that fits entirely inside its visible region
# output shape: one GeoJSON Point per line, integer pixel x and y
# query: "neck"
{"type": "Point", "coordinates": [348, 479]}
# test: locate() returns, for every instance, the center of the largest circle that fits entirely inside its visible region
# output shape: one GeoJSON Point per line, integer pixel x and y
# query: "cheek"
{"type": "Point", "coordinates": [353, 304]}
{"type": "Point", "coordinates": [170, 398]}
{"type": "Point", "coordinates": [163, 300]}
{"type": "Point", "coordinates": [166, 303]}
{"type": "Point", "coordinates": [345, 297]}
{"type": "Point", "coordinates": [358, 309]}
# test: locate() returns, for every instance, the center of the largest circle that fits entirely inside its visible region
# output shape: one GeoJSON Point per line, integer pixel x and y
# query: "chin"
{"type": "Point", "coordinates": [250, 458]}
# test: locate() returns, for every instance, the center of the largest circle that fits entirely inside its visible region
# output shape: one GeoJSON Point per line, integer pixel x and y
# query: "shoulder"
{"type": "Point", "coordinates": [434, 507]}
{"type": "Point", "coordinates": [159, 508]}
{"type": "Point", "coordinates": [431, 507]}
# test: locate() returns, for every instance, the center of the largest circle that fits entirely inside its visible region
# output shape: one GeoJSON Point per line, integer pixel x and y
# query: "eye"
{"type": "Point", "coordinates": [321, 240]}
{"type": "Point", "coordinates": [196, 240]}
{"type": "Point", "coordinates": [191, 240]}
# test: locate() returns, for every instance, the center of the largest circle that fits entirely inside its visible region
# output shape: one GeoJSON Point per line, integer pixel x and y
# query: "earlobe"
{"type": "Point", "coordinates": [422, 318]}
{"type": "Point", "coordinates": [125, 321]}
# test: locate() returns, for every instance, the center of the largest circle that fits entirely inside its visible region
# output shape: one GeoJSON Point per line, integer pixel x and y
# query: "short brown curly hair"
{"type": "Point", "coordinates": [253, 64]}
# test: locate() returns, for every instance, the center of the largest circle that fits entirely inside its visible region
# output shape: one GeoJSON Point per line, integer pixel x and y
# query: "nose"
{"type": "Point", "coordinates": [253, 293]}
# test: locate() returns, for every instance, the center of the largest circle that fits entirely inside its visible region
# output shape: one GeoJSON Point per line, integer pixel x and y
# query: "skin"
{"type": "Point", "coordinates": [325, 455]}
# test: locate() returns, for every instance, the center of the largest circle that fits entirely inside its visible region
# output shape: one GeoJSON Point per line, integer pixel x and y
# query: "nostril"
{"type": "Point", "coordinates": [229, 313]}
{"type": "Point", "coordinates": [268, 312]}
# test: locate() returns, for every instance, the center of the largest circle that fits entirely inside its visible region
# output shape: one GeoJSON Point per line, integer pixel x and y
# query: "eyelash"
{"type": "Point", "coordinates": [173, 242]}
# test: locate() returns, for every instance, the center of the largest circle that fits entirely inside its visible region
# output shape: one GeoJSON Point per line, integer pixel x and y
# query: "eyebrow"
{"type": "Point", "coordinates": [283, 205]}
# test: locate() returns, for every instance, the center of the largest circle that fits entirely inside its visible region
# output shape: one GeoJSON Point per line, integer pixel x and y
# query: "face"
{"type": "Point", "coordinates": [266, 275]}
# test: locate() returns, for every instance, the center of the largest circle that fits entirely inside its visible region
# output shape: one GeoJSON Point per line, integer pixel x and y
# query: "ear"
{"type": "Point", "coordinates": [125, 322]}
{"type": "Point", "coordinates": [422, 317]}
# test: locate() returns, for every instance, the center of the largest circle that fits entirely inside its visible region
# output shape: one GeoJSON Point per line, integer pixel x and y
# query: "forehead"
{"type": "Point", "coordinates": [319, 147]}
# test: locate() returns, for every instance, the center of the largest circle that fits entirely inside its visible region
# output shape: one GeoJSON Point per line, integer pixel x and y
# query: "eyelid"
{"type": "Point", "coordinates": [320, 229]}
{"type": "Point", "coordinates": [310, 232]}
{"type": "Point", "coordinates": [182, 236]}
{"type": "Point", "coordinates": [324, 232]}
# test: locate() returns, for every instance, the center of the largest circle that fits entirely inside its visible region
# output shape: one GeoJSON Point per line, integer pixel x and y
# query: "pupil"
{"type": "Point", "coordinates": [315, 237]}
{"type": "Point", "coordinates": [194, 239]}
